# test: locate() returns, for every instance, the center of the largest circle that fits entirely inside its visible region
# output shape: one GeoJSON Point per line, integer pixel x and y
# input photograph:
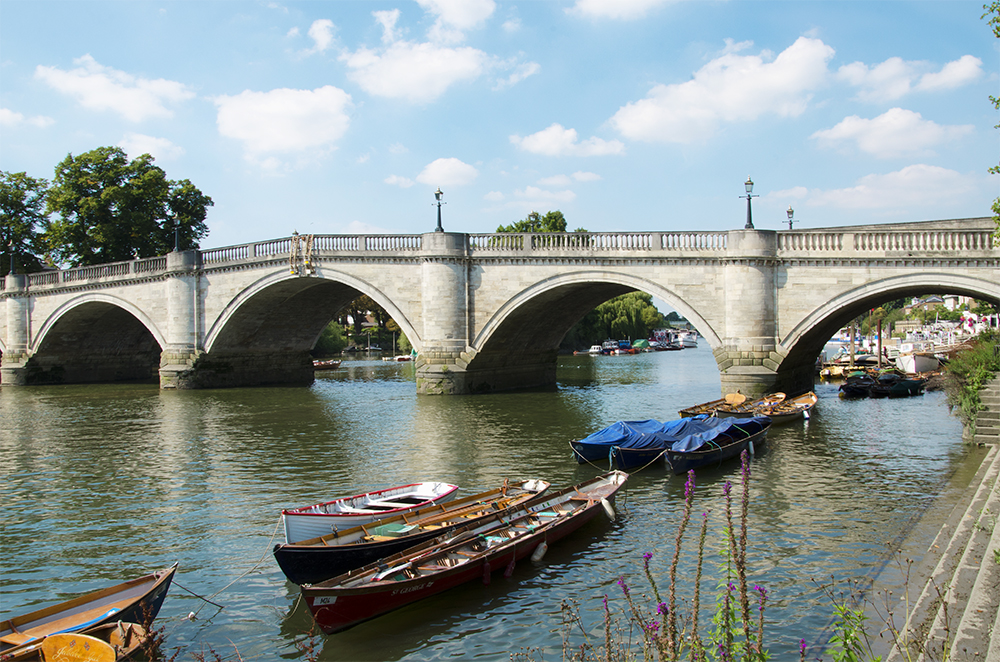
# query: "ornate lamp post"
{"type": "Point", "coordinates": [177, 235]}
{"type": "Point", "coordinates": [11, 248]}
{"type": "Point", "coordinates": [437, 196]}
{"type": "Point", "coordinates": [790, 212]}
{"type": "Point", "coordinates": [749, 187]}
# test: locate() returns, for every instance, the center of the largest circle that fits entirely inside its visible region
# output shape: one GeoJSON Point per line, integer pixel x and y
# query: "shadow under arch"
{"type": "Point", "coordinates": [576, 294]}
{"type": "Point", "coordinates": [95, 338]}
{"type": "Point", "coordinates": [288, 311]}
{"type": "Point", "coordinates": [518, 346]}
{"type": "Point", "coordinates": [806, 340]}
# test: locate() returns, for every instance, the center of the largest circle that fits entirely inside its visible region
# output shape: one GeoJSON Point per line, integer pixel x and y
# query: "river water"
{"type": "Point", "coordinates": [107, 482]}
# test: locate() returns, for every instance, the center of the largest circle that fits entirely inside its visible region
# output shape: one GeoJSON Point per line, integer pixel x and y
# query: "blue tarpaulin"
{"type": "Point", "coordinates": [685, 434]}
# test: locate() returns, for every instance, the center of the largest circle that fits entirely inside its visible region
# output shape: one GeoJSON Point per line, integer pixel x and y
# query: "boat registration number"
{"type": "Point", "coordinates": [325, 600]}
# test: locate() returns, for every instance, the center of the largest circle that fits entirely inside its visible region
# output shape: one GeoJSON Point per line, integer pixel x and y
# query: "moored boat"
{"type": "Point", "coordinates": [135, 601]}
{"type": "Point", "coordinates": [789, 409]}
{"type": "Point", "coordinates": [331, 364]}
{"type": "Point", "coordinates": [315, 560]}
{"type": "Point", "coordinates": [914, 362]}
{"type": "Point", "coordinates": [631, 444]}
{"type": "Point", "coordinates": [344, 512]}
{"type": "Point", "coordinates": [857, 385]}
{"type": "Point", "coordinates": [467, 554]}
{"type": "Point", "coordinates": [112, 642]}
{"type": "Point", "coordinates": [708, 408]}
{"type": "Point", "coordinates": [725, 440]}
{"type": "Point", "coordinates": [746, 408]}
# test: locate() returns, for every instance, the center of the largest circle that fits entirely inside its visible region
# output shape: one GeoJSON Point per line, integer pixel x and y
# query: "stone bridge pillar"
{"type": "Point", "coordinates": [177, 358]}
{"type": "Point", "coordinates": [445, 291]}
{"type": "Point", "coordinates": [13, 370]}
{"type": "Point", "coordinates": [748, 357]}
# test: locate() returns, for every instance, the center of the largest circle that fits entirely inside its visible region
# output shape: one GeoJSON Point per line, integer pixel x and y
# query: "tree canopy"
{"type": "Point", "coordinates": [22, 212]}
{"type": "Point", "coordinates": [629, 316]}
{"type": "Point", "coordinates": [993, 12]}
{"type": "Point", "coordinates": [552, 221]}
{"type": "Point", "coordinates": [111, 209]}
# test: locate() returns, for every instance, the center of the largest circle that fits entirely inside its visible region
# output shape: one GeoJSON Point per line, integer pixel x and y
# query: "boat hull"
{"type": "Point", "coordinates": [345, 512]}
{"type": "Point", "coordinates": [345, 601]}
{"type": "Point", "coordinates": [135, 601]}
{"type": "Point", "coordinates": [316, 560]}
{"type": "Point", "coordinates": [682, 462]}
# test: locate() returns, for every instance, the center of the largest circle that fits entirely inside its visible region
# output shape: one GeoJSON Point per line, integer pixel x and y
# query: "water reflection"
{"type": "Point", "coordinates": [120, 479]}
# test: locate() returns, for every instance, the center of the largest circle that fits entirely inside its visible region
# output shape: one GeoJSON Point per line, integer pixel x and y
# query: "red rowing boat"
{"type": "Point", "coordinates": [472, 552]}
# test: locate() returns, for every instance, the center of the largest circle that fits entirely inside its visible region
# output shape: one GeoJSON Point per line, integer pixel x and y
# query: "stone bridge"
{"type": "Point", "coordinates": [486, 312]}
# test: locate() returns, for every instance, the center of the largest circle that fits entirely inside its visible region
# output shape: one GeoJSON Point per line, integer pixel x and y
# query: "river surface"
{"type": "Point", "coordinates": [107, 482]}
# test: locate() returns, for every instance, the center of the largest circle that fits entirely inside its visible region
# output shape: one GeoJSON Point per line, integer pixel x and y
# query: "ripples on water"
{"type": "Point", "coordinates": [106, 482]}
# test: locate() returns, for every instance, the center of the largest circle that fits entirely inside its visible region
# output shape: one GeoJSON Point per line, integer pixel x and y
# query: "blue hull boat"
{"type": "Point", "coordinates": [684, 444]}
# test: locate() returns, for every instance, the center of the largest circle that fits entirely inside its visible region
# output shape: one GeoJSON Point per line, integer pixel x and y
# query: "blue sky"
{"type": "Point", "coordinates": [626, 115]}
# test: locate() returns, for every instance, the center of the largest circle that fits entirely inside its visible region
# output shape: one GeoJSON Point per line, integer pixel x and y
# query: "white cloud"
{"type": "Point", "coordinates": [321, 32]}
{"type": "Point", "coordinates": [730, 88]}
{"type": "Point", "coordinates": [914, 187]}
{"type": "Point", "coordinates": [618, 9]}
{"type": "Point", "coordinates": [494, 196]}
{"type": "Point", "coordinates": [448, 172]}
{"type": "Point", "coordinates": [398, 148]}
{"type": "Point", "coordinates": [12, 118]}
{"type": "Point", "coordinates": [284, 120]}
{"type": "Point", "coordinates": [954, 74]}
{"type": "Point", "coordinates": [294, 32]}
{"type": "Point", "coordinates": [512, 25]}
{"type": "Point", "coordinates": [412, 71]}
{"type": "Point", "coordinates": [102, 88]}
{"type": "Point", "coordinates": [401, 182]}
{"type": "Point", "coordinates": [559, 141]}
{"type": "Point", "coordinates": [582, 176]}
{"type": "Point", "coordinates": [387, 19]}
{"type": "Point", "coordinates": [456, 16]}
{"type": "Point", "coordinates": [897, 132]}
{"type": "Point", "coordinates": [896, 77]}
{"type": "Point", "coordinates": [161, 149]}
{"type": "Point", "coordinates": [521, 71]}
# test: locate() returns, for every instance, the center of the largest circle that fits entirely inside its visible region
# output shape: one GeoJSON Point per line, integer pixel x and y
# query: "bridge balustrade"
{"type": "Point", "coordinates": [934, 241]}
{"type": "Point", "coordinates": [597, 241]}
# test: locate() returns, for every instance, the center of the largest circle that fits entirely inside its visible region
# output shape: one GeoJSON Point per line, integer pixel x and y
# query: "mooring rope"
{"type": "Point", "coordinates": [255, 565]}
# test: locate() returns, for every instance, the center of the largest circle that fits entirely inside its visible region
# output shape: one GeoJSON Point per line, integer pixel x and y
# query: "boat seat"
{"type": "Point", "coordinates": [15, 638]}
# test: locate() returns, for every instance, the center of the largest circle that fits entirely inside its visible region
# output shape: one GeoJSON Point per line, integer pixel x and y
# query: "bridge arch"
{"type": "Point", "coordinates": [95, 337]}
{"type": "Point", "coordinates": [805, 340]}
{"type": "Point", "coordinates": [296, 307]}
{"type": "Point", "coordinates": [579, 290]}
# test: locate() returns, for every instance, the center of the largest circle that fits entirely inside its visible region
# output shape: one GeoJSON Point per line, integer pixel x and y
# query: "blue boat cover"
{"type": "Point", "coordinates": [682, 435]}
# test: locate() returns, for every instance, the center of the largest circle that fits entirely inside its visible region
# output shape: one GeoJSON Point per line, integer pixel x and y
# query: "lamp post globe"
{"type": "Point", "coordinates": [791, 213]}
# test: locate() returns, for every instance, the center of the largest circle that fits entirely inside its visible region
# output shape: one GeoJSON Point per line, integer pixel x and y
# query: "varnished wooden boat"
{"type": "Point", "coordinates": [470, 553]}
{"type": "Point", "coordinates": [789, 410]}
{"type": "Point", "coordinates": [318, 559]}
{"type": "Point", "coordinates": [112, 642]}
{"type": "Point", "coordinates": [708, 408]}
{"type": "Point", "coordinates": [748, 407]}
{"type": "Point", "coordinates": [135, 601]}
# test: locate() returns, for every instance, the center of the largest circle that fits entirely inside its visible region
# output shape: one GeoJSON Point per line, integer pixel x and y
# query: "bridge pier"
{"type": "Point", "coordinates": [13, 370]}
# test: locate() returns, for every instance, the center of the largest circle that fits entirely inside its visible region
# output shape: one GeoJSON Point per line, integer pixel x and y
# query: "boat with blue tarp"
{"type": "Point", "coordinates": [686, 443]}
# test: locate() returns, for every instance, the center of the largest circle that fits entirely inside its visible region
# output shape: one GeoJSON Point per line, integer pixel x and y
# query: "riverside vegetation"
{"type": "Point", "coordinates": [968, 373]}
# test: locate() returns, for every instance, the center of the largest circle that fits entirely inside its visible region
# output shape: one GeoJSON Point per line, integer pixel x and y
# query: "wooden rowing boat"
{"type": "Point", "coordinates": [469, 553]}
{"type": "Point", "coordinates": [135, 601]}
{"type": "Point", "coordinates": [789, 410]}
{"type": "Point", "coordinates": [708, 408]}
{"type": "Point", "coordinates": [317, 559]}
{"type": "Point", "coordinates": [112, 642]}
{"type": "Point", "coordinates": [344, 512]}
{"type": "Point", "coordinates": [748, 408]}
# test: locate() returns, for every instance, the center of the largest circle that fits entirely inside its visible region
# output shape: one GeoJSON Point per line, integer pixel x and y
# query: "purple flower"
{"type": "Point", "coordinates": [653, 627]}
{"type": "Point", "coordinates": [621, 582]}
{"type": "Point", "coordinates": [662, 608]}
{"type": "Point", "coordinates": [802, 646]}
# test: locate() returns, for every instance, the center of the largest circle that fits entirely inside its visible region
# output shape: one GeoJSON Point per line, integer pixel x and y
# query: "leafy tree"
{"type": "Point", "coordinates": [112, 209]}
{"type": "Point", "coordinates": [993, 12]}
{"type": "Point", "coordinates": [553, 221]}
{"type": "Point", "coordinates": [331, 341]}
{"type": "Point", "coordinates": [22, 212]}
{"type": "Point", "coordinates": [631, 315]}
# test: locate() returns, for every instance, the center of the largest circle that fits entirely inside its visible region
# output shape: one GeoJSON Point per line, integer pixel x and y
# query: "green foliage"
{"type": "Point", "coordinates": [629, 316]}
{"type": "Point", "coordinates": [968, 372]}
{"type": "Point", "coordinates": [22, 212]}
{"type": "Point", "coordinates": [111, 209]}
{"type": "Point", "coordinates": [331, 341]}
{"type": "Point", "coordinates": [553, 221]}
